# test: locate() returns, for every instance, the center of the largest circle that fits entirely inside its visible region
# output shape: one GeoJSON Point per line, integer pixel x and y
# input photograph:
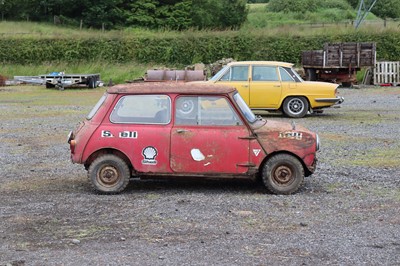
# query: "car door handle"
{"type": "Point", "coordinates": [182, 131]}
{"type": "Point", "coordinates": [245, 86]}
{"type": "Point", "coordinates": [277, 86]}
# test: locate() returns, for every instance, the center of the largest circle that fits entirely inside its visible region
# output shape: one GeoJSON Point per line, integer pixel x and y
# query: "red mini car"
{"type": "Point", "coordinates": [188, 130]}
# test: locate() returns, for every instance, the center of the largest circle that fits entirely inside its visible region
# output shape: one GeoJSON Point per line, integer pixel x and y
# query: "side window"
{"type": "Point", "coordinates": [142, 109]}
{"type": "Point", "coordinates": [264, 73]}
{"type": "Point", "coordinates": [293, 74]}
{"type": "Point", "coordinates": [285, 76]}
{"type": "Point", "coordinates": [208, 111]}
{"type": "Point", "coordinates": [236, 73]}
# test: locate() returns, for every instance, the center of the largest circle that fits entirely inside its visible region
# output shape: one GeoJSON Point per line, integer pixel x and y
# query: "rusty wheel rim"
{"type": "Point", "coordinates": [283, 175]}
{"type": "Point", "coordinates": [108, 176]}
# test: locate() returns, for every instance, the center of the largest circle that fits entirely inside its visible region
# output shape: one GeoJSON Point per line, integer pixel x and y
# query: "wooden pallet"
{"type": "Point", "coordinates": [387, 72]}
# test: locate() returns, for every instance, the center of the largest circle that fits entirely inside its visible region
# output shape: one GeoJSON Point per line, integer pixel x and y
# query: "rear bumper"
{"type": "Point", "coordinates": [337, 100]}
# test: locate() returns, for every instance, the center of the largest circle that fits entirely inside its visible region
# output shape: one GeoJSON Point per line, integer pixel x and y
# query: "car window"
{"type": "Point", "coordinates": [142, 109]}
{"type": "Point", "coordinates": [97, 107]}
{"type": "Point", "coordinates": [264, 73]}
{"type": "Point", "coordinates": [244, 108]}
{"type": "Point", "coordinates": [285, 76]}
{"type": "Point", "coordinates": [209, 110]}
{"type": "Point", "coordinates": [236, 73]}
{"type": "Point", "coordinates": [293, 74]}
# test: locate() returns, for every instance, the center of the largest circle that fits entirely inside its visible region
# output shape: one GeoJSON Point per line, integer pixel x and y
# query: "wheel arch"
{"type": "Point", "coordinates": [307, 172]}
{"type": "Point", "coordinates": [104, 151]}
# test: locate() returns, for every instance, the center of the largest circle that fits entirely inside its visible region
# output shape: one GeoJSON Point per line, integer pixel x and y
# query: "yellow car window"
{"type": "Point", "coordinates": [265, 73]}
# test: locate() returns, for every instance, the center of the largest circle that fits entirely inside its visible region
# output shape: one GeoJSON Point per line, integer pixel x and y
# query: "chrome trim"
{"type": "Point", "coordinates": [318, 143]}
{"type": "Point", "coordinates": [337, 100]}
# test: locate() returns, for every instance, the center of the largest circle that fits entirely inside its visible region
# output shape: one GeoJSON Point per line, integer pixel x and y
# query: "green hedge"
{"type": "Point", "coordinates": [185, 49]}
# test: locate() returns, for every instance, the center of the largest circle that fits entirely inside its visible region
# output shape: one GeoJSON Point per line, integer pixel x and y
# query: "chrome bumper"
{"type": "Point", "coordinates": [337, 100]}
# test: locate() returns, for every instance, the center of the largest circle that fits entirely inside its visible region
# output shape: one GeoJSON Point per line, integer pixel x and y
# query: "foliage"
{"type": "Point", "coordinates": [301, 6]}
{"type": "Point", "coordinates": [219, 14]}
{"type": "Point", "coordinates": [293, 5]}
{"type": "Point", "coordinates": [387, 9]}
{"type": "Point", "coordinates": [184, 49]}
{"type": "Point", "coordinates": [111, 14]}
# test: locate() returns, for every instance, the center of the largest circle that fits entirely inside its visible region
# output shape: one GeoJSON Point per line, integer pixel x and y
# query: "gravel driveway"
{"type": "Point", "coordinates": [347, 213]}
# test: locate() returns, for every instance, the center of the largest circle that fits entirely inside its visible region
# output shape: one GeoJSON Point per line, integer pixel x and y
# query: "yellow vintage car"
{"type": "Point", "coordinates": [269, 85]}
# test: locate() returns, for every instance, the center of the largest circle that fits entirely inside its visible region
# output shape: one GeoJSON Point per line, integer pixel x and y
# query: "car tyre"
{"type": "Point", "coordinates": [295, 107]}
{"type": "Point", "coordinates": [283, 174]}
{"type": "Point", "coordinates": [109, 174]}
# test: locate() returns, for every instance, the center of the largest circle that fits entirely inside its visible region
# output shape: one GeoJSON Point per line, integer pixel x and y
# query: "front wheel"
{"type": "Point", "coordinates": [283, 174]}
{"type": "Point", "coordinates": [295, 107]}
{"type": "Point", "coordinates": [109, 174]}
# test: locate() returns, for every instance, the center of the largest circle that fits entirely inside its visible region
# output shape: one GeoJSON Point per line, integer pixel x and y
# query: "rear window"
{"type": "Point", "coordinates": [97, 107]}
{"type": "Point", "coordinates": [142, 109]}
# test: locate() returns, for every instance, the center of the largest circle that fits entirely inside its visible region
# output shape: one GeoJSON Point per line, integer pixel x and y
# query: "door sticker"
{"type": "Point", "coordinates": [149, 154]}
{"type": "Point", "coordinates": [128, 134]}
{"type": "Point", "coordinates": [106, 134]}
{"type": "Point", "coordinates": [256, 152]}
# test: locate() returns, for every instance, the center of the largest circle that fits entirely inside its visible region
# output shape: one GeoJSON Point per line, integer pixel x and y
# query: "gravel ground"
{"type": "Point", "coordinates": [347, 213]}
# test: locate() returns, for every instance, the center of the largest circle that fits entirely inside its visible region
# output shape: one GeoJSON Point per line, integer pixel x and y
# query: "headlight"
{"type": "Point", "coordinates": [318, 143]}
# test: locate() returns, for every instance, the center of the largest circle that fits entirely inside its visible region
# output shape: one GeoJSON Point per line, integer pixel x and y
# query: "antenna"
{"type": "Point", "coordinates": [363, 9]}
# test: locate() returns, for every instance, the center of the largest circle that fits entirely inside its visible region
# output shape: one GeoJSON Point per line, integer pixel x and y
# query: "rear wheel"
{"type": "Point", "coordinates": [92, 83]}
{"type": "Point", "coordinates": [109, 174]}
{"type": "Point", "coordinates": [283, 174]}
{"type": "Point", "coordinates": [295, 107]}
{"type": "Point", "coordinates": [49, 85]}
{"type": "Point", "coordinates": [311, 74]}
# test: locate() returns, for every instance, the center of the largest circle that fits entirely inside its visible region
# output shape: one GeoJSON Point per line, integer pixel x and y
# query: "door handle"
{"type": "Point", "coordinates": [182, 131]}
{"type": "Point", "coordinates": [277, 86]}
{"type": "Point", "coordinates": [245, 86]}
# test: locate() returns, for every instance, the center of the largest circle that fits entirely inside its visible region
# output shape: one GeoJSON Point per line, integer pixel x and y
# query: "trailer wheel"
{"type": "Point", "coordinates": [49, 85]}
{"type": "Point", "coordinates": [92, 83]}
{"type": "Point", "coordinates": [295, 107]}
{"type": "Point", "coordinates": [311, 74]}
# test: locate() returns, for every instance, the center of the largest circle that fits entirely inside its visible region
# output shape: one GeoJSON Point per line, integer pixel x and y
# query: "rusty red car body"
{"type": "Point", "coordinates": [202, 130]}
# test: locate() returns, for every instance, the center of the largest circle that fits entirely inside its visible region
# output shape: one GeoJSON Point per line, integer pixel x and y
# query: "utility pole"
{"type": "Point", "coordinates": [363, 10]}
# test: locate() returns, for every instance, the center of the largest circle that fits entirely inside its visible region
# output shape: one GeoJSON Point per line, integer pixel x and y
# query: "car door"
{"type": "Point", "coordinates": [208, 137]}
{"type": "Point", "coordinates": [265, 87]}
{"type": "Point", "coordinates": [140, 127]}
{"type": "Point", "coordinates": [238, 77]}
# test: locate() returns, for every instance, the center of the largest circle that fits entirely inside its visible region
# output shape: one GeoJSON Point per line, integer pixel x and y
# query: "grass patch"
{"type": "Point", "coordinates": [378, 158]}
{"type": "Point", "coordinates": [84, 233]}
{"type": "Point", "coordinates": [117, 72]}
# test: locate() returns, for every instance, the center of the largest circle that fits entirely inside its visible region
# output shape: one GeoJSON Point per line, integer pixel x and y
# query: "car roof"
{"type": "Point", "coordinates": [268, 63]}
{"type": "Point", "coordinates": [170, 87]}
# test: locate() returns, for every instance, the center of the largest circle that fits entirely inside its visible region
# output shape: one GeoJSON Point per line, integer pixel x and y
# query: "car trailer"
{"type": "Point", "coordinates": [61, 80]}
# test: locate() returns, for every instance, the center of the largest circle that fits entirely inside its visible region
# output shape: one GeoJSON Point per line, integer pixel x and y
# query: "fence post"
{"type": "Point", "coordinates": [81, 24]}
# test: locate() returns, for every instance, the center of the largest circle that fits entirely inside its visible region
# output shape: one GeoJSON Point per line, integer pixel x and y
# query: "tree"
{"type": "Point", "coordinates": [387, 9]}
{"type": "Point", "coordinates": [170, 14]}
{"type": "Point", "coordinates": [219, 14]}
